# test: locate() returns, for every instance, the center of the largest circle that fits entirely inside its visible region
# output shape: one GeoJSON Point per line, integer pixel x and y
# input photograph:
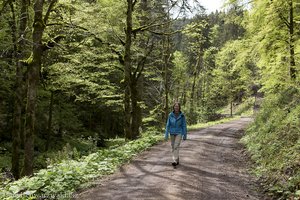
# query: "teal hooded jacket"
{"type": "Point", "coordinates": [176, 125]}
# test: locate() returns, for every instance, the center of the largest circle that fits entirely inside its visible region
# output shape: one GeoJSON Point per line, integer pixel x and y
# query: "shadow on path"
{"type": "Point", "coordinates": [212, 167]}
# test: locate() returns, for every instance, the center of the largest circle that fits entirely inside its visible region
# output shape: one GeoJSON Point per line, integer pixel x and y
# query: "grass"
{"type": "Point", "coordinates": [204, 125]}
{"type": "Point", "coordinates": [243, 109]}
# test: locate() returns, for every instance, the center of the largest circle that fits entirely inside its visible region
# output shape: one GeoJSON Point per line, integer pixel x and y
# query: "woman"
{"type": "Point", "coordinates": [176, 126]}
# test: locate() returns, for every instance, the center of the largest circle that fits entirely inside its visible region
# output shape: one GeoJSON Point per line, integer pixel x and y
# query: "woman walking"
{"type": "Point", "coordinates": [176, 127]}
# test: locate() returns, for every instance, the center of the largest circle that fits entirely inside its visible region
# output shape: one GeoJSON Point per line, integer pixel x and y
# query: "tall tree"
{"type": "Point", "coordinates": [129, 83]}
{"type": "Point", "coordinates": [180, 76]}
{"type": "Point", "coordinates": [166, 59]}
{"type": "Point", "coordinates": [34, 66]}
{"type": "Point", "coordinates": [273, 24]}
{"type": "Point", "coordinates": [134, 65]}
{"type": "Point", "coordinates": [197, 36]}
{"type": "Point", "coordinates": [19, 43]}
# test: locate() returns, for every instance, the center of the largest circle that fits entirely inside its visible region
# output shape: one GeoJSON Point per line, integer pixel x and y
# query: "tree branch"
{"type": "Point", "coordinates": [4, 6]}
{"type": "Point", "coordinates": [286, 22]}
{"type": "Point", "coordinates": [119, 54]}
{"type": "Point", "coordinates": [51, 5]}
{"type": "Point", "coordinates": [162, 33]}
{"type": "Point", "coordinates": [133, 3]}
{"type": "Point", "coordinates": [51, 43]}
{"type": "Point", "coordinates": [119, 68]}
{"type": "Point", "coordinates": [141, 63]}
{"type": "Point", "coordinates": [120, 39]}
{"type": "Point", "coordinates": [148, 26]}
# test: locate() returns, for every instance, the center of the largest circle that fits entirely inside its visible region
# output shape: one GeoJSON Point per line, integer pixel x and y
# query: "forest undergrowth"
{"type": "Point", "coordinates": [273, 140]}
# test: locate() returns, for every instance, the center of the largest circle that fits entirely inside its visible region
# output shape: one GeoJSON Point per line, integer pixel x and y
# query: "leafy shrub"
{"type": "Point", "coordinates": [59, 181]}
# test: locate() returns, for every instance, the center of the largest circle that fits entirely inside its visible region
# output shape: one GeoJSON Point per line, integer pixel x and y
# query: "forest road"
{"type": "Point", "coordinates": [213, 166]}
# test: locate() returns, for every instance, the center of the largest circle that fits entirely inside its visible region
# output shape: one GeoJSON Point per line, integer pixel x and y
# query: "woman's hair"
{"type": "Point", "coordinates": [178, 105]}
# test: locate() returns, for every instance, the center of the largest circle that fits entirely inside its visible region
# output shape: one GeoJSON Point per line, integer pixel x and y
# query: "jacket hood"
{"type": "Point", "coordinates": [173, 114]}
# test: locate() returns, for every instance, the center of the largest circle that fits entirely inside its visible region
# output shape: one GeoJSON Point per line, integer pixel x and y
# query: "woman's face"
{"type": "Point", "coordinates": [176, 108]}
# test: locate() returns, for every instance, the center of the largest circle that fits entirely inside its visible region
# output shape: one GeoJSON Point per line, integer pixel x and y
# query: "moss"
{"type": "Point", "coordinates": [28, 61]}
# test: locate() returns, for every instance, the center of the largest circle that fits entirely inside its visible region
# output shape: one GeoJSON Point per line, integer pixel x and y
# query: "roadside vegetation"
{"type": "Point", "coordinates": [69, 171]}
{"type": "Point", "coordinates": [82, 78]}
{"type": "Point", "coordinates": [274, 143]}
{"type": "Point", "coordinates": [60, 179]}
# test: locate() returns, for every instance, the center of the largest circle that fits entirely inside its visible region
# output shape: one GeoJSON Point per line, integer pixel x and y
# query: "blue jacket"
{"type": "Point", "coordinates": [176, 125]}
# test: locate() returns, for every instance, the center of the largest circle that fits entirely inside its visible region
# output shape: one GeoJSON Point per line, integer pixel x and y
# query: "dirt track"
{"type": "Point", "coordinates": [212, 167]}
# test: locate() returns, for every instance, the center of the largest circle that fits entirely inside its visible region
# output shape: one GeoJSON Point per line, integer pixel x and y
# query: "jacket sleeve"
{"type": "Point", "coordinates": [167, 129]}
{"type": "Point", "coordinates": [184, 128]}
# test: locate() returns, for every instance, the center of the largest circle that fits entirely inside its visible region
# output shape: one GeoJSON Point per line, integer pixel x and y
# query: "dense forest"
{"type": "Point", "coordinates": [78, 75]}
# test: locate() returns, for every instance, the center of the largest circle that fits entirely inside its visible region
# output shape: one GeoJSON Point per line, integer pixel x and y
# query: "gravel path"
{"type": "Point", "coordinates": [212, 167]}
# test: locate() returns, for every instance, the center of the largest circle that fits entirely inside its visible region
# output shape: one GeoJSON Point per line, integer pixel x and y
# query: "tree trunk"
{"type": "Point", "coordinates": [193, 92]}
{"type": "Point", "coordinates": [34, 66]}
{"type": "Point", "coordinates": [231, 97]}
{"type": "Point", "coordinates": [166, 80]}
{"type": "Point", "coordinates": [15, 168]}
{"type": "Point", "coordinates": [60, 119]}
{"type": "Point", "coordinates": [49, 128]}
{"type": "Point", "coordinates": [134, 118]}
{"type": "Point", "coordinates": [135, 111]}
{"type": "Point", "coordinates": [19, 47]}
{"type": "Point", "coordinates": [166, 67]}
{"type": "Point", "coordinates": [195, 75]}
{"type": "Point", "coordinates": [33, 80]}
{"type": "Point", "coordinates": [127, 71]}
{"type": "Point", "coordinates": [291, 42]}
{"type": "Point", "coordinates": [133, 75]}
